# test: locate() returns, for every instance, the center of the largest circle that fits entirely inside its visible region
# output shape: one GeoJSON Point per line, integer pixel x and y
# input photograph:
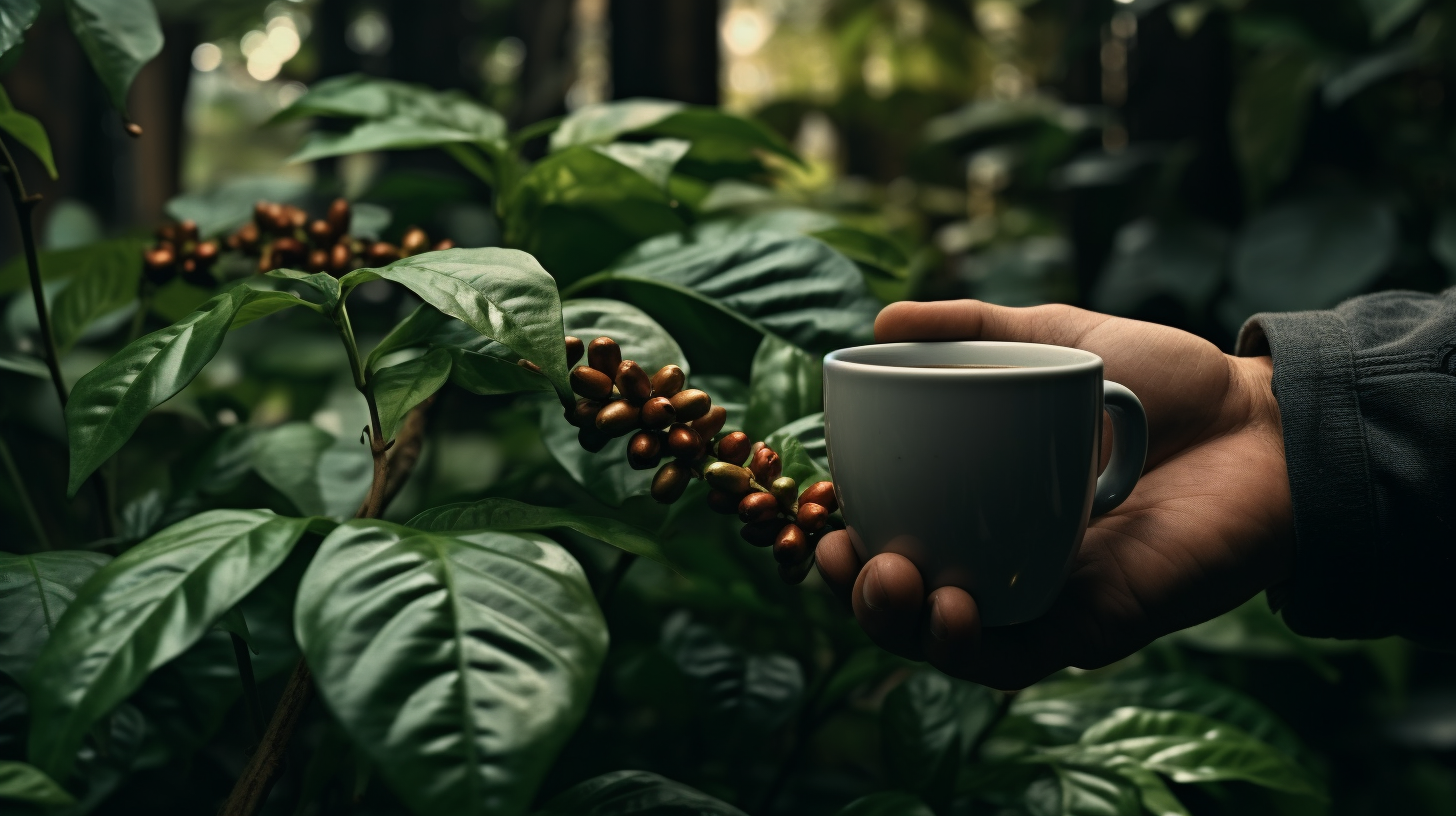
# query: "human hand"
{"type": "Point", "coordinates": [1208, 526]}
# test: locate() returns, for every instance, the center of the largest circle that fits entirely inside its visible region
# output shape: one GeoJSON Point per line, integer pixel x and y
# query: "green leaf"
{"type": "Point", "coordinates": [787, 383]}
{"type": "Point", "coordinates": [321, 475]}
{"type": "Point", "coordinates": [110, 400]}
{"type": "Point", "coordinates": [605, 121]}
{"type": "Point", "coordinates": [325, 284]}
{"type": "Point", "coordinates": [401, 133]}
{"type": "Point", "coordinates": [809, 433]}
{"type": "Point", "coordinates": [605, 474]}
{"type": "Point", "coordinates": [748, 696]}
{"type": "Point", "coordinates": [1270, 105]}
{"type": "Point", "coordinates": [24, 364]}
{"type": "Point", "coordinates": [119, 37]}
{"type": "Point", "coordinates": [874, 251]}
{"type": "Point", "coordinates": [1153, 792]}
{"type": "Point", "coordinates": [1152, 258]}
{"type": "Point", "coordinates": [230, 204]}
{"type": "Point", "coordinates": [508, 515]}
{"type": "Point", "coordinates": [653, 160]}
{"type": "Point", "coordinates": [635, 793]}
{"type": "Point", "coordinates": [503, 294]}
{"type": "Point", "coordinates": [23, 127]}
{"type": "Point", "coordinates": [1388, 15]}
{"type": "Point", "coordinates": [866, 666]}
{"type": "Point", "coordinates": [20, 782]}
{"type": "Point", "coordinates": [105, 283]}
{"type": "Point", "coordinates": [1083, 792]}
{"type": "Point", "coordinates": [35, 591]}
{"type": "Point", "coordinates": [233, 622]}
{"type": "Point", "coordinates": [402, 386]}
{"type": "Point", "coordinates": [484, 374]}
{"type": "Point", "coordinates": [1188, 748]}
{"type": "Point", "coordinates": [459, 663]}
{"type": "Point", "coordinates": [797, 464]}
{"type": "Point", "coordinates": [424, 327]}
{"type": "Point", "coordinates": [928, 724]}
{"type": "Point", "coordinates": [15, 18]}
{"type": "Point", "coordinates": [887, 803]}
{"type": "Point", "coordinates": [64, 263]}
{"type": "Point", "coordinates": [641, 338]}
{"type": "Point", "coordinates": [719, 298]}
{"type": "Point", "coordinates": [143, 609]}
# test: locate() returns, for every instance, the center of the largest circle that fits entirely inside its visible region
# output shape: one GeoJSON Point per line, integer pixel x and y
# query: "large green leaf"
{"type": "Point", "coordinates": [402, 386]}
{"type": "Point", "coordinates": [503, 294]}
{"type": "Point", "coordinates": [605, 121]}
{"type": "Point", "coordinates": [605, 474]}
{"type": "Point", "coordinates": [1157, 799]}
{"type": "Point", "coordinates": [15, 17]}
{"type": "Point", "coordinates": [1083, 792]}
{"type": "Point", "coordinates": [928, 724]}
{"type": "Point", "coordinates": [653, 160]}
{"type": "Point", "coordinates": [459, 663]}
{"type": "Point", "coordinates": [119, 37]}
{"type": "Point", "coordinates": [719, 297]}
{"type": "Point", "coordinates": [1267, 116]}
{"type": "Point", "coordinates": [641, 338]}
{"type": "Point", "coordinates": [787, 384]}
{"type": "Point", "coordinates": [35, 591]}
{"type": "Point", "coordinates": [887, 803]}
{"type": "Point", "coordinates": [1180, 260]}
{"type": "Point", "coordinates": [748, 696]}
{"type": "Point", "coordinates": [140, 611]}
{"type": "Point", "coordinates": [23, 127]}
{"type": "Point", "coordinates": [110, 401]}
{"type": "Point", "coordinates": [717, 137]}
{"type": "Point", "coordinates": [321, 475]}
{"type": "Point", "coordinates": [324, 284]}
{"type": "Point", "coordinates": [20, 782]}
{"type": "Point", "coordinates": [808, 432]}
{"type": "Point", "coordinates": [106, 283]}
{"type": "Point", "coordinates": [484, 374]}
{"type": "Point", "coordinates": [508, 515]}
{"type": "Point", "coordinates": [1187, 748]}
{"type": "Point", "coordinates": [64, 263]}
{"type": "Point", "coordinates": [636, 793]}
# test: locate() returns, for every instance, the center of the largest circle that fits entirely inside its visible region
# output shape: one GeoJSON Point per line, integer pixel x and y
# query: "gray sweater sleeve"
{"type": "Point", "coordinates": [1367, 395]}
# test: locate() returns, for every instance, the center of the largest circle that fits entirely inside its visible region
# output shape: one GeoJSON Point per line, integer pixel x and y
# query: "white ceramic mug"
{"type": "Point", "coordinates": [985, 478]}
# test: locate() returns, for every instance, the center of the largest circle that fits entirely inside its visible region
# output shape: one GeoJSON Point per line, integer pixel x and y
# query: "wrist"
{"type": "Point", "coordinates": [1261, 423]}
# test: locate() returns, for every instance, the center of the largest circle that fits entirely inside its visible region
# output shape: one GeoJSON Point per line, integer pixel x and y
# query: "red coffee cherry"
{"type": "Point", "coordinates": [812, 517]}
{"type": "Point", "coordinates": [320, 232]}
{"type": "Point", "coordinates": [721, 502]}
{"type": "Point", "coordinates": [584, 413]}
{"type": "Point", "coordinates": [691, 404]}
{"type": "Point", "coordinates": [590, 383]}
{"type": "Point", "coordinates": [618, 417]}
{"type": "Point", "coordinates": [339, 216]}
{"type": "Point", "coordinates": [668, 381]}
{"type": "Point", "coordinates": [791, 546]}
{"type": "Point", "coordinates": [442, 244]}
{"type": "Point", "coordinates": [318, 260]}
{"type": "Point", "coordinates": [340, 259]}
{"type": "Point", "coordinates": [633, 383]}
{"type": "Point", "coordinates": [604, 355]}
{"type": "Point", "coordinates": [670, 482]}
{"type": "Point", "coordinates": [657, 413]}
{"type": "Point", "coordinates": [574, 349]}
{"type": "Point", "coordinates": [683, 442]}
{"type": "Point", "coordinates": [708, 425]}
{"type": "Point", "coordinates": [734, 448]}
{"type": "Point", "coordinates": [414, 241]}
{"type": "Point", "coordinates": [644, 450]}
{"type": "Point", "coordinates": [592, 440]}
{"type": "Point", "coordinates": [820, 493]}
{"type": "Point", "coordinates": [765, 466]}
{"type": "Point", "coordinates": [757, 507]}
{"type": "Point", "coordinates": [382, 253]}
{"type": "Point", "coordinates": [187, 230]}
{"type": "Point", "coordinates": [761, 533]}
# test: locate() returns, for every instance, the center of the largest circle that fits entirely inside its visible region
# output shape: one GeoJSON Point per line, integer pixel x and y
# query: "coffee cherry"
{"type": "Point", "coordinates": [187, 230]}
{"type": "Point", "coordinates": [414, 241]}
{"type": "Point", "coordinates": [247, 237]}
{"type": "Point", "coordinates": [167, 234]}
{"type": "Point", "coordinates": [708, 425]}
{"type": "Point", "coordinates": [294, 217]}
{"type": "Point", "coordinates": [791, 546]}
{"type": "Point", "coordinates": [189, 268]}
{"type": "Point", "coordinates": [442, 244]}
{"type": "Point", "coordinates": [757, 446]}
{"type": "Point", "coordinates": [339, 216]}
{"type": "Point", "coordinates": [691, 404]}
{"type": "Point", "coordinates": [633, 383]}
{"type": "Point", "coordinates": [683, 442]}
{"type": "Point", "coordinates": [528, 365]}
{"type": "Point", "coordinates": [339, 259]}
{"type": "Point", "coordinates": [288, 252]}
{"type": "Point", "coordinates": [604, 355]}
{"type": "Point", "coordinates": [657, 413]}
{"type": "Point", "coordinates": [590, 383]}
{"type": "Point", "coordinates": [785, 489]}
{"type": "Point", "coordinates": [584, 413]}
{"type": "Point", "coordinates": [792, 574]}
{"type": "Point", "coordinates": [668, 381]}
{"type": "Point", "coordinates": [591, 439]}
{"type": "Point", "coordinates": [765, 466]}
{"type": "Point", "coordinates": [761, 533]}
{"type": "Point", "coordinates": [382, 253]}
{"type": "Point", "coordinates": [320, 232]}
{"type": "Point", "coordinates": [720, 502]}
{"type": "Point", "coordinates": [670, 482]}
{"type": "Point", "coordinates": [644, 450]}
{"type": "Point", "coordinates": [822, 494]}
{"type": "Point", "coordinates": [812, 517]}
{"type": "Point", "coordinates": [318, 260]}
{"type": "Point", "coordinates": [206, 253]}
{"type": "Point", "coordinates": [157, 264]}
{"type": "Point", "coordinates": [574, 349]}
{"type": "Point", "coordinates": [617, 418]}
{"type": "Point", "coordinates": [734, 448]}
{"type": "Point", "coordinates": [728, 478]}
{"type": "Point", "coordinates": [757, 507]}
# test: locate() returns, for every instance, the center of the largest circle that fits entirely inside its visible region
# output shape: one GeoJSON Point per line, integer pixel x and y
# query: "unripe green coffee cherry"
{"type": "Point", "coordinates": [644, 450]}
{"type": "Point", "coordinates": [592, 440]}
{"type": "Point", "coordinates": [761, 533]}
{"type": "Point", "coordinates": [721, 502]}
{"type": "Point", "coordinates": [657, 413]}
{"type": "Point", "coordinates": [590, 383]}
{"type": "Point", "coordinates": [683, 442]}
{"type": "Point", "coordinates": [604, 355]}
{"type": "Point", "coordinates": [820, 493]}
{"type": "Point", "coordinates": [708, 425]}
{"type": "Point", "coordinates": [668, 381]}
{"type": "Point", "coordinates": [812, 517]}
{"type": "Point", "coordinates": [728, 478]}
{"type": "Point", "coordinates": [618, 417]}
{"type": "Point", "coordinates": [757, 507]}
{"type": "Point", "coordinates": [766, 466]}
{"type": "Point", "coordinates": [633, 383]}
{"type": "Point", "coordinates": [786, 490]}
{"type": "Point", "coordinates": [670, 482]}
{"type": "Point", "coordinates": [791, 546]}
{"type": "Point", "coordinates": [574, 349]}
{"type": "Point", "coordinates": [691, 404]}
{"type": "Point", "coordinates": [734, 447]}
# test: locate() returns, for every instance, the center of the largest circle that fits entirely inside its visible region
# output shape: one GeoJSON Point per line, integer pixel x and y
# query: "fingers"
{"type": "Point", "coordinates": [838, 564]}
{"type": "Point", "coordinates": [952, 631]}
{"type": "Point", "coordinates": [974, 320]}
{"type": "Point", "coordinates": [889, 601]}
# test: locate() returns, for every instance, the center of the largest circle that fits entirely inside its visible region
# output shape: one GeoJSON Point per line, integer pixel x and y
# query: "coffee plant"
{"type": "Point", "coordinates": [239, 611]}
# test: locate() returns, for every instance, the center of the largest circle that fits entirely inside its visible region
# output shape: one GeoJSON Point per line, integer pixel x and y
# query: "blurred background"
{"type": "Point", "coordinates": [1190, 162]}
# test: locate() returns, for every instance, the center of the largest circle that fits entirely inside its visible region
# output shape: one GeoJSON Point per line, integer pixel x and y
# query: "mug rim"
{"type": "Point", "coordinates": [1077, 360]}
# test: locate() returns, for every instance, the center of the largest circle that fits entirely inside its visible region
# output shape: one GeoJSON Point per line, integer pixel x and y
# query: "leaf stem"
{"type": "Point", "coordinates": [1002, 709]}
{"type": "Point", "coordinates": [263, 769]}
{"type": "Point", "coordinates": [250, 685]}
{"type": "Point", "coordinates": [24, 216]}
{"type": "Point", "coordinates": [24, 496]}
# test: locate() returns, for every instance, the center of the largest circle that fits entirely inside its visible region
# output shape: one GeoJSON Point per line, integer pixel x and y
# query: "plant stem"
{"type": "Point", "coordinates": [619, 571]}
{"type": "Point", "coordinates": [262, 770]}
{"type": "Point", "coordinates": [24, 496]}
{"type": "Point", "coordinates": [1002, 709]}
{"type": "Point", "coordinates": [250, 686]}
{"type": "Point", "coordinates": [24, 218]}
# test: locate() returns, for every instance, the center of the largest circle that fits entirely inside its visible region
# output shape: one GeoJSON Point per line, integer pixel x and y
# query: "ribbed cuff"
{"type": "Point", "coordinates": [1339, 569]}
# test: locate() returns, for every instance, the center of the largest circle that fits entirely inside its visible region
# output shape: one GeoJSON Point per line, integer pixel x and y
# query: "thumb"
{"type": "Point", "coordinates": [1055, 324]}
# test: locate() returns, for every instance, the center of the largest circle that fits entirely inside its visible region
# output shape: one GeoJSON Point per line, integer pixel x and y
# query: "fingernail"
{"type": "Point", "coordinates": [938, 627]}
{"type": "Point", "coordinates": [873, 593]}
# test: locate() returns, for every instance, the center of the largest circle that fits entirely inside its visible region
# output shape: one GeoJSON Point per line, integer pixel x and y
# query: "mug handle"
{"type": "Point", "coordinates": [1129, 451]}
